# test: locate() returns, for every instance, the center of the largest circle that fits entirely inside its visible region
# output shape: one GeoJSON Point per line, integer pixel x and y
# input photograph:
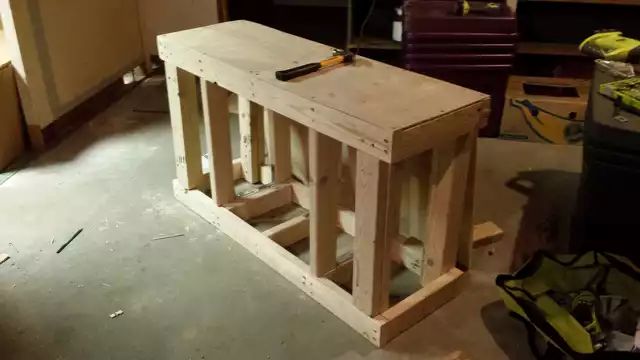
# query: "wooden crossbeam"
{"type": "Point", "coordinates": [423, 302]}
{"type": "Point", "coordinates": [261, 202]}
{"type": "Point", "coordinates": [290, 231]}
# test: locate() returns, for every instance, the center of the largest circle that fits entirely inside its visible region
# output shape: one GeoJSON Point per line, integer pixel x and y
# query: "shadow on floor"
{"type": "Point", "coordinates": [547, 215]}
{"type": "Point", "coordinates": [15, 340]}
{"type": "Point", "coordinates": [143, 106]}
{"type": "Point", "coordinates": [508, 333]}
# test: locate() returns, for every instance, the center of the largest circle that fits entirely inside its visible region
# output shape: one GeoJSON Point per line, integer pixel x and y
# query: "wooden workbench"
{"type": "Point", "coordinates": [401, 130]}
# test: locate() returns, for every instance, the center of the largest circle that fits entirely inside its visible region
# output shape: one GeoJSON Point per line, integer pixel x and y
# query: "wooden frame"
{"type": "Point", "coordinates": [377, 163]}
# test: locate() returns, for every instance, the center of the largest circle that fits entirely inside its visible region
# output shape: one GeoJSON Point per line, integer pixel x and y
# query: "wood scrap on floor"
{"type": "Point", "coordinates": [164, 237]}
{"type": "Point", "coordinates": [69, 241]}
{"type": "Point", "coordinates": [486, 234]}
{"type": "Point", "coordinates": [116, 314]}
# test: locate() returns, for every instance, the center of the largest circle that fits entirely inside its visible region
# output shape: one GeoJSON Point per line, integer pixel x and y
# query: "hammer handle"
{"type": "Point", "coordinates": [286, 75]}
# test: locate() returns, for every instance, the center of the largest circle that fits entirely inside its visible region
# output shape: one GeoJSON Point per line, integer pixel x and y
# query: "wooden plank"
{"type": "Point", "coordinates": [277, 137]}
{"type": "Point", "coordinates": [183, 106]}
{"type": "Point", "coordinates": [263, 201]}
{"type": "Point", "coordinates": [290, 231]}
{"type": "Point", "coordinates": [415, 307]}
{"type": "Point", "coordinates": [283, 262]}
{"type": "Point", "coordinates": [324, 159]}
{"type": "Point", "coordinates": [468, 232]}
{"type": "Point", "coordinates": [251, 132]}
{"type": "Point", "coordinates": [485, 234]}
{"type": "Point", "coordinates": [300, 152]}
{"type": "Point", "coordinates": [215, 110]}
{"type": "Point", "coordinates": [450, 165]}
{"type": "Point", "coordinates": [377, 224]}
{"type": "Point", "coordinates": [437, 132]}
{"type": "Point", "coordinates": [350, 103]}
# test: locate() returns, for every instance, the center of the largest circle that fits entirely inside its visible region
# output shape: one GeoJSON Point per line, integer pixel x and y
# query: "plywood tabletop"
{"type": "Point", "coordinates": [380, 94]}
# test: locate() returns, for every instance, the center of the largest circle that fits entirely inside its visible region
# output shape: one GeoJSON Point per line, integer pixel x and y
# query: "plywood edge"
{"type": "Point", "coordinates": [414, 140]}
{"type": "Point", "coordinates": [417, 306]}
{"type": "Point", "coordinates": [323, 291]}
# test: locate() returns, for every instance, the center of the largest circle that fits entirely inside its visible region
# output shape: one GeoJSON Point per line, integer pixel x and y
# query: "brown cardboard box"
{"type": "Point", "coordinates": [11, 137]}
{"type": "Point", "coordinates": [550, 110]}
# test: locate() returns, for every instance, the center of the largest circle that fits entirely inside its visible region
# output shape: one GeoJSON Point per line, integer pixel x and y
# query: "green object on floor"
{"type": "Point", "coordinates": [558, 296]}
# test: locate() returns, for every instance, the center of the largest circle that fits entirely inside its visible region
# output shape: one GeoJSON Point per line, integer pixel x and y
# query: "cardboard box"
{"type": "Point", "coordinates": [549, 110]}
{"type": "Point", "coordinates": [11, 135]}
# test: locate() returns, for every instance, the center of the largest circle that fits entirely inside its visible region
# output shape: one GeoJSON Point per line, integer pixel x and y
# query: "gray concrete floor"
{"type": "Point", "coordinates": [202, 296]}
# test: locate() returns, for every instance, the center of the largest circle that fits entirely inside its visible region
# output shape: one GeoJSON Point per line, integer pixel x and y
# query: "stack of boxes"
{"type": "Point", "coordinates": [474, 48]}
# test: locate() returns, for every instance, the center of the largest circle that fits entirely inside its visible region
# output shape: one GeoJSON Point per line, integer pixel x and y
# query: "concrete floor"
{"type": "Point", "coordinates": [202, 296]}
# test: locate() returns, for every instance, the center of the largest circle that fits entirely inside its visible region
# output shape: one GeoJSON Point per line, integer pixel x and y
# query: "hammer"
{"type": "Point", "coordinates": [339, 57]}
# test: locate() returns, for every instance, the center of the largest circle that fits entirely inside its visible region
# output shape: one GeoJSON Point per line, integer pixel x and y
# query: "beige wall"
{"type": "Point", "coordinates": [65, 51]}
{"type": "Point", "coordinates": [165, 16]}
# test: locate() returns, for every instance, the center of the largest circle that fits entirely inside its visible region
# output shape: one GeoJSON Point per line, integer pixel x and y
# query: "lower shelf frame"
{"type": "Point", "coordinates": [380, 329]}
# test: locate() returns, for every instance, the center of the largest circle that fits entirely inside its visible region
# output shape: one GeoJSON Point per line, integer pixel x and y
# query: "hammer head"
{"type": "Point", "coordinates": [348, 56]}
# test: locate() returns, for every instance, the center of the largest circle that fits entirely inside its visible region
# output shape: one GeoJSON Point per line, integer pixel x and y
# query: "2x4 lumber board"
{"type": "Point", "coordinates": [324, 160]}
{"type": "Point", "coordinates": [216, 124]}
{"type": "Point", "coordinates": [323, 291]}
{"type": "Point", "coordinates": [251, 132]}
{"type": "Point", "coordinates": [486, 234]}
{"type": "Point", "coordinates": [448, 183]}
{"type": "Point", "coordinates": [417, 306]}
{"type": "Point", "coordinates": [468, 232]}
{"type": "Point", "coordinates": [300, 151]}
{"type": "Point", "coordinates": [377, 225]}
{"type": "Point", "coordinates": [437, 132]}
{"type": "Point", "coordinates": [289, 232]}
{"type": "Point", "coordinates": [350, 103]}
{"type": "Point", "coordinates": [183, 106]}
{"type": "Point", "coordinates": [415, 194]}
{"type": "Point", "coordinates": [262, 202]}
{"type": "Point", "coordinates": [278, 139]}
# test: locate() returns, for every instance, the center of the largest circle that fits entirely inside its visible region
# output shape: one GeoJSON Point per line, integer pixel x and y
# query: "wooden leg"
{"type": "Point", "coordinates": [378, 194]}
{"type": "Point", "coordinates": [183, 106]}
{"type": "Point", "coordinates": [216, 123]}
{"type": "Point", "coordinates": [300, 152]}
{"type": "Point", "coordinates": [467, 227]}
{"type": "Point", "coordinates": [324, 161]}
{"type": "Point", "coordinates": [251, 132]}
{"type": "Point", "coordinates": [277, 137]}
{"type": "Point", "coordinates": [449, 168]}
